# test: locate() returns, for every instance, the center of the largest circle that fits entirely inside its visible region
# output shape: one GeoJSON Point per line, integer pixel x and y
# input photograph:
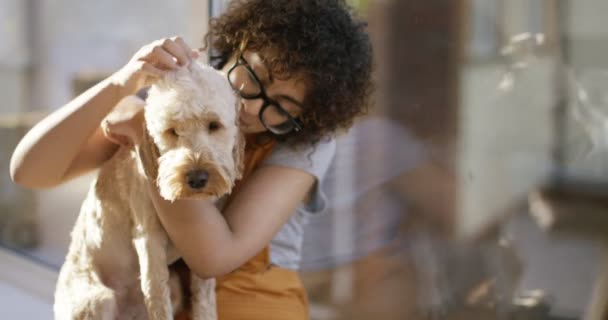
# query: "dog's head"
{"type": "Point", "coordinates": [191, 121]}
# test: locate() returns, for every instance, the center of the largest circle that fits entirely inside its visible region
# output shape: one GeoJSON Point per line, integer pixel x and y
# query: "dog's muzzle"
{"type": "Point", "coordinates": [197, 179]}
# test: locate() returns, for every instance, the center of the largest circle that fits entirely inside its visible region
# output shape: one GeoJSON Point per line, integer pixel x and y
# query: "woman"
{"type": "Point", "coordinates": [303, 71]}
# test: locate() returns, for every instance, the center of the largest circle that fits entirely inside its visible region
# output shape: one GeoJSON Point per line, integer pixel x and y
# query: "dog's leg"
{"type": "Point", "coordinates": [176, 291]}
{"type": "Point", "coordinates": [154, 275]}
{"type": "Point", "coordinates": [101, 306]}
{"type": "Point", "coordinates": [86, 301]}
{"type": "Point", "coordinates": [203, 298]}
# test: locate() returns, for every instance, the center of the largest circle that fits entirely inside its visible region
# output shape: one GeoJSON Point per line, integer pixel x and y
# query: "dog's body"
{"type": "Point", "coordinates": [101, 276]}
{"type": "Point", "coordinates": [116, 267]}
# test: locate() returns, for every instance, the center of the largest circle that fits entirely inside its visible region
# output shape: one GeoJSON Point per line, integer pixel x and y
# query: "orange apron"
{"type": "Point", "coordinates": [259, 290]}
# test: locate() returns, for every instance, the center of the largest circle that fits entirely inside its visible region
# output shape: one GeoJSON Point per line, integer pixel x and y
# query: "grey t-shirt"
{"type": "Point", "coordinates": [376, 150]}
{"type": "Point", "coordinates": [286, 246]}
{"type": "Point", "coordinates": [379, 150]}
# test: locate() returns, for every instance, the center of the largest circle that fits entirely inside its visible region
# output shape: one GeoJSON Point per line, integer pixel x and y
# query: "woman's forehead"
{"type": "Point", "coordinates": [272, 63]}
{"type": "Point", "coordinates": [254, 59]}
{"type": "Point", "coordinates": [291, 84]}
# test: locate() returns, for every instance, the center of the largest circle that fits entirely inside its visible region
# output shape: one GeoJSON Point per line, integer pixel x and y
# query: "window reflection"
{"type": "Point", "coordinates": [481, 108]}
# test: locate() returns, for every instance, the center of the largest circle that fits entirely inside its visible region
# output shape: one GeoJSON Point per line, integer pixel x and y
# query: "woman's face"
{"type": "Point", "coordinates": [288, 94]}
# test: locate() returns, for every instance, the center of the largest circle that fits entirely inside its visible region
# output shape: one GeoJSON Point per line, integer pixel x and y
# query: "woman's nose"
{"type": "Point", "coordinates": [252, 106]}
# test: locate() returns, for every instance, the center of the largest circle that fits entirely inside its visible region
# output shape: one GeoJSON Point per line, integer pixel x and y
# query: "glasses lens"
{"type": "Point", "coordinates": [243, 81]}
{"type": "Point", "coordinates": [276, 120]}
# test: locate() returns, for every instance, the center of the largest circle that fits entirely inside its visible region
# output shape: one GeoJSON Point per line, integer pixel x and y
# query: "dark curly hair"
{"type": "Point", "coordinates": [320, 41]}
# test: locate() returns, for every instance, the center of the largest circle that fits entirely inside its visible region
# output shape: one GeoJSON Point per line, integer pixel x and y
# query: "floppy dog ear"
{"type": "Point", "coordinates": [148, 154]}
{"type": "Point", "coordinates": [238, 155]}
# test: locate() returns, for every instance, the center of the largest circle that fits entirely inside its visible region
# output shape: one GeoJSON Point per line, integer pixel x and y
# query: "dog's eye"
{"type": "Point", "coordinates": [172, 132]}
{"type": "Point", "coordinates": [214, 126]}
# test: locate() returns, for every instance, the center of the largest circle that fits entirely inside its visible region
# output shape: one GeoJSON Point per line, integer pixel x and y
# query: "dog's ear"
{"type": "Point", "coordinates": [238, 155]}
{"type": "Point", "coordinates": [148, 154]}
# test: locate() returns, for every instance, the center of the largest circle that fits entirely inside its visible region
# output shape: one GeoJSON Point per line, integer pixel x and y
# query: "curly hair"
{"type": "Point", "coordinates": [320, 41]}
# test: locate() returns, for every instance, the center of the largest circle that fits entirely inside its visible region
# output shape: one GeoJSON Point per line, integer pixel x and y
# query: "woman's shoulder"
{"type": "Point", "coordinates": [314, 158]}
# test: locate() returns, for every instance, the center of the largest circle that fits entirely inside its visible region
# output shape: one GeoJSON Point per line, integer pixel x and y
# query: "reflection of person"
{"type": "Point", "coordinates": [382, 152]}
{"type": "Point", "coordinates": [398, 191]}
{"type": "Point", "coordinates": [303, 71]}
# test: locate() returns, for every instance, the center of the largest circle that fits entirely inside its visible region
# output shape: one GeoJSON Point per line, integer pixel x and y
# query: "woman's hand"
{"type": "Point", "coordinates": [151, 62]}
{"type": "Point", "coordinates": [124, 124]}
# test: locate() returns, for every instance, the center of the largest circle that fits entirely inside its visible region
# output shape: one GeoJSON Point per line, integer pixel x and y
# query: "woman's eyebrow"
{"type": "Point", "coordinates": [290, 99]}
{"type": "Point", "coordinates": [266, 69]}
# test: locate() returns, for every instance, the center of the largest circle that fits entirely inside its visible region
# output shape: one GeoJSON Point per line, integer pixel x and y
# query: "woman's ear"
{"type": "Point", "coordinates": [148, 154]}
{"type": "Point", "coordinates": [238, 155]}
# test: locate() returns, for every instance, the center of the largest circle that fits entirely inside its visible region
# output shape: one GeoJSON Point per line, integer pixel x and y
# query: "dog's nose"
{"type": "Point", "coordinates": [197, 178]}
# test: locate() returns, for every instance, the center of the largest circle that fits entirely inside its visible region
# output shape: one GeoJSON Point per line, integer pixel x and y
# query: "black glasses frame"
{"type": "Point", "coordinates": [267, 101]}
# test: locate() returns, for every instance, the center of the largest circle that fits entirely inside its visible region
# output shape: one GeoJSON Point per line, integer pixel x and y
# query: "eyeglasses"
{"type": "Point", "coordinates": [274, 117]}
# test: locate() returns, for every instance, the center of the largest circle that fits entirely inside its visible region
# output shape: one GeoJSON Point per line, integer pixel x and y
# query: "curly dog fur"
{"type": "Point", "coordinates": [116, 266]}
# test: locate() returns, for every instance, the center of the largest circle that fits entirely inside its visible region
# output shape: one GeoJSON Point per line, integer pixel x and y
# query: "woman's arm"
{"type": "Point", "coordinates": [42, 158]}
{"type": "Point", "coordinates": [69, 141]}
{"type": "Point", "coordinates": [213, 244]}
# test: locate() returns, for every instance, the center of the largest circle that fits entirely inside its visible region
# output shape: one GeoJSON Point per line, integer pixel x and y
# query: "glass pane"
{"type": "Point", "coordinates": [475, 188]}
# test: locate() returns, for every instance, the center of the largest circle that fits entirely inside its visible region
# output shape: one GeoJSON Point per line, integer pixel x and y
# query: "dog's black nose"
{"type": "Point", "coordinates": [197, 178]}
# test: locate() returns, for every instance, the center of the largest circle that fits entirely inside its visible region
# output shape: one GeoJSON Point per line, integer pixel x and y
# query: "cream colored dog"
{"type": "Point", "coordinates": [116, 267]}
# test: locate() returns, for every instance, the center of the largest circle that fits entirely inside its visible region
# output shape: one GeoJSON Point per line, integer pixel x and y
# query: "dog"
{"type": "Point", "coordinates": [117, 262]}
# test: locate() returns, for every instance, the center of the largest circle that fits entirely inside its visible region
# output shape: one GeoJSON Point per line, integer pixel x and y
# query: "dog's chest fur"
{"type": "Point", "coordinates": [111, 217]}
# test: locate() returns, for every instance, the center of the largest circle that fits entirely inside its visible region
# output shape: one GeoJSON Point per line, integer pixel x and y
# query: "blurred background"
{"type": "Point", "coordinates": [475, 189]}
